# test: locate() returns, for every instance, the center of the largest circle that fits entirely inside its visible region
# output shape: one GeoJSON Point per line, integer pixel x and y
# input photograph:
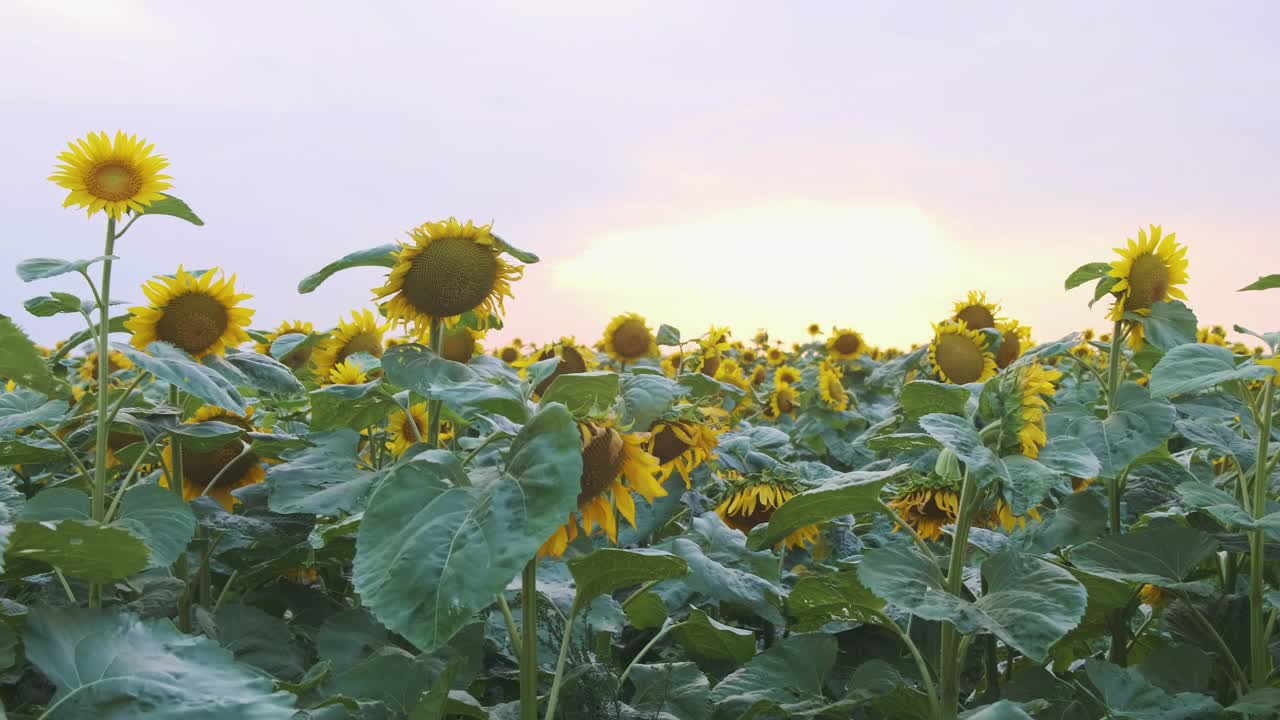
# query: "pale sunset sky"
{"type": "Point", "coordinates": [752, 164]}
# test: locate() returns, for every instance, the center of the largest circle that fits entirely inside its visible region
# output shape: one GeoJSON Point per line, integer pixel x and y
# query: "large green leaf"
{"type": "Point", "coordinates": [113, 666]}
{"type": "Point", "coordinates": [1198, 366]}
{"type": "Point", "coordinates": [44, 268]}
{"type": "Point", "coordinates": [1087, 272]}
{"type": "Point", "coordinates": [21, 362]}
{"type": "Point", "coordinates": [645, 397]}
{"type": "Point", "coordinates": [728, 584]}
{"type": "Point", "coordinates": [1128, 696]}
{"type": "Point", "coordinates": [1030, 604]}
{"type": "Point", "coordinates": [959, 436]}
{"type": "Point", "coordinates": [1024, 482]}
{"type": "Point", "coordinates": [350, 406]}
{"type": "Point", "coordinates": [259, 639]}
{"type": "Point", "coordinates": [265, 374]}
{"type": "Point", "coordinates": [610, 569]}
{"type": "Point", "coordinates": [461, 387]}
{"type": "Point", "coordinates": [80, 549]}
{"type": "Point", "coordinates": [1080, 518]}
{"type": "Point", "coordinates": [22, 409]}
{"type": "Point", "coordinates": [791, 673]}
{"type": "Point", "coordinates": [1001, 710]}
{"type": "Point", "coordinates": [704, 637]}
{"type": "Point", "coordinates": [846, 494]}
{"type": "Point", "coordinates": [349, 637]}
{"type": "Point", "coordinates": [173, 207]}
{"type": "Point", "coordinates": [839, 596]}
{"type": "Point", "coordinates": [1070, 456]}
{"type": "Point", "coordinates": [175, 367]}
{"type": "Point", "coordinates": [54, 303]}
{"type": "Point", "coordinates": [903, 576]}
{"type": "Point", "coordinates": [381, 256]}
{"type": "Point", "coordinates": [1168, 324]}
{"type": "Point", "coordinates": [430, 554]}
{"type": "Point", "coordinates": [1139, 425]}
{"type": "Point", "coordinates": [1163, 556]}
{"type": "Point", "coordinates": [583, 393]}
{"type": "Point", "coordinates": [1218, 503]}
{"type": "Point", "coordinates": [161, 518]}
{"type": "Point", "coordinates": [679, 689]}
{"type": "Point", "coordinates": [922, 397]}
{"type": "Point", "coordinates": [320, 480]}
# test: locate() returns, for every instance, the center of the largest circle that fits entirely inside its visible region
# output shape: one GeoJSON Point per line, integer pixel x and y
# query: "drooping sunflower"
{"type": "Point", "coordinates": [1149, 270]}
{"type": "Point", "coordinates": [786, 375]}
{"type": "Point", "coordinates": [114, 176]}
{"type": "Point", "coordinates": [845, 344]}
{"type": "Point", "coordinates": [613, 465]}
{"type": "Point", "coordinates": [573, 359]}
{"type": "Point", "coordinates": [403, 435]}
{"type": "Point", "coordinates": [1035, 386]}
{"type": "Point", "coordinates": [814, 329]}
{"type": "Point", "coordinates": [199, 315]}
{"type": "Point", "coordinates": [347, 373]}
{"type": "Point", "coordinates": [975, 311]}
{"type": "Point", "coordinates": [681, 446]}
{"type": "Point", "coordinates": [296, 358]}
{"type": "Point", "coordinates": [363, 334]}
{"type": "Point", "coordinates": [831, 389]}
{"type": "Point", "coordinates": [1015, 339]}
{"type": "Point", "coordinates": [927, 504]}
{"type": "Point", "coordinates": [628, 338]}
{"type": "Point", "coordinates": [116, 362]}
{"type": "Point", "coordinates": [784, 400]}
{"type": "Point", "coordinates": [461, 344]}
{"type": "Point", "coordinates": [446, 269]}
{"type": "Point", "coordinates": [751, 501]}
{"type": "Point", "coordinates": [201, 468]}
{"type": "Point", "coordinates": [960, 355]}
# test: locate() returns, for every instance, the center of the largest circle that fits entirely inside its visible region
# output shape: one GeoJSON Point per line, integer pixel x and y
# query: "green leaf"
{"type": "Point", "coordinates": [17, 452]}
{"type": "Point", "coordinates": [106, 664]}
{"type": "Point", "coordinates": [645, 398]}
{"type": "Point", "coordinates": [1128, 696]}
{"type": "Point", "coordinates": [1163, 556]}
{"type": "Point", "coordinates": [678, 689]}
{"type": "Point", "coordinates": [21, 362]}
{"type": "Point", "coordinates": [583, 393]}
{"type": "Point", "coordinates": [922, 397]}
{"type": "Point", "coordinates": [1194, 367]}
{"type": "Point", "coordinates": [609, 569]}
{"type": "Point", "coordinates": [23, 409]}
{"type": "Point", "coordinates": [1169, 324]}
{"type": "Point", "coordinates": [414, 367]}
{"type": "Point", "coordinates": [846, 494]}
{"type": "Point", "coordinates": [646, 611]}
{"type": "Point", "coordinates": [54, 504]}
{"type": "Point", "coordinates": [704, 637]}
{"type": "Point", "coordinates": [668, 335]}
{"type": "Point", "coordinates": [161, 518]}
{"type": "Point", "coordinates": [173, 207]}
{"type": "Point", "coordinates": [430, 554]}
{"type": "Point", "coordinates": [728, 584]}
{"type": "Point", "coordinates": [522, 255]}
{"type": "Point", "coordinates": [1069, 456]}
{"type": "Point", "coordinates": [175, 367]}
{"type": "Point", "coordinates": [1264, 282]}
{"type": "Point", "coordinates": [840, 596]}
{"type": "Point", "coordinates": [320, 480]}
{"type": "Point", "coordinates": [1000, 710]}
{"type": "Point", "coordinates": [1103, 287]}
{"type": "Point", "coordinates": [349, 406]}
{"type": "Point", "coordinates": [260, 640]}
{"type": "Point", "coordinates": [44, 268]}
{"type": "Point", "coordinates": [1024, 482]}
{"type": "Point", "coordinates": [1080, 518]}
{"type": "Point", "coordinates": [1139, 425]}
{"type": "Point", "coordinates": [265, 374]}
{"type": "Point", "coordinates": [792, 672]}
{"type": "Point", "coordinates": [80, 549]}
{"type": "Point", "coordinates": [1030, 604]}
{"type": "Point", "coordinates": [52, 304]}
{"type": "Point", "coordinates": [903, 576]}
{"type": "Point", "coordinates": [348, 638]}
{"type": "Point", "coordinates": [381, 256]}
{"type": "Point", "coordinates": [1085, 273]}
{"type": "Point", "coordinates": [1220, 504]}
{"type": "Point", "coordinates": [1263, 702]}
{"type": "Point", "coordinates": [959, 436]}
{"type": "Point", "coordinates": [902, 442]}
{"type": "Point", "coordinates": [115, 325]}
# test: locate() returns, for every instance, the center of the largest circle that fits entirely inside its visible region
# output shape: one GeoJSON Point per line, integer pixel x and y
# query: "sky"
{"type": "Point", "coordinates": [748, 164]}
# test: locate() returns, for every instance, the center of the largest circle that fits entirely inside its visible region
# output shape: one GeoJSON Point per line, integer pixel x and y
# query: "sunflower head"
{"type": "Point", "coordinates": [761, 337]}
{"type": "Point", "coordinates": [1015, 339]}
{"type": "Point", "coordinates": [814, 329]}
{"type": "Point", "coordinates": [508, 354]}
{"type": "Point", "coordinates": [1035, 386]}
{"type": "Point", "coordinates": [681, 446]}
{"type": "Point", "coordinates": [116, 362]}
{"type": "Point", "coordinates": [831, 388]}
{"type": "Point", "coordinates": [229, 464]}
{"type": "Point", "coordinates": [786, 375]}
{"type": "Point", "coordinates": [407, 428]}
{"type": "Point", "coordinates": [758, 376]}
{"type": "Point", "coordinates": [709, 362]}
{"type": "Point", "coordinates": [573, 359]}
{"type": "Point", "coordinates": [784, 400]}
{"type": "Point", "coordinates": [845, 344]}
{"type": "Point", "coordinates": [362, 334]}
{"type": "Point", "coordinates": [717, 339]}
{"type": "Point", "coordinates": [347, 373]}
{"type": "Point", "coordinates": [112, 175]}
{"type": "Point", "coordinates": [776, 355]}
{"type": "Point", "coordinates": [202, 316]}
{"type": "Point", "coordinates": [927, 504]}
{"type": "Point", "coordinates": [960, 355]}
{"type": "Point", "coordinates": [749, 356]}
{"type": "Point", "coordinates": [672, 363]}
{"type": "Point", "coordinates": [460, 344]}
{"type": "Point", "coordinates": [1215, 335]}
{"type": "Point", "coordinates": [296, 358]}
{"type": "Point", "coordinates": [751, 501]}
{"type": "Point", "coordinates": [628, 338]}
{"type": "Point", "coordinates": [975, 311]}
{"type": "Point", "coordinates": [447, 269]}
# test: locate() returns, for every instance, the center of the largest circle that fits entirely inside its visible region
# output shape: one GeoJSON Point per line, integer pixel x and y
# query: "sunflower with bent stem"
{"type": "Point", "coordinates": [959, 355]}
{"type": "Point", "coordinates": [613, 465]}
{"type": "Point", "coordinates": [232, 465]}
{"type": "Point", "coordinates": [297, 357]}
{"type": "Point", "coordinates": [751, 500]}
{"type": "Point", "coordinates": [363, 334]}
{"type": "Point", "coordinates": [1015, 339]}
{"type": "Point", "coordinates": [1149, 271]}
{"type": "Point", "coordinates": [114, 176]}
{"type": "Point", "coordinates": [927, 504]}
{"type": "Point", "coordinates": [681, 445]}
{"type": "Point", "coordinates": [447, 269]}
{"type": "Point", "coordinates": [975, 311]}
{"type": "Point", "coordinates": [1035, 385]}
{"type": "Point", "coordinates": [201, 316]}
{"type": "Point", "coordinates": [831, 388]}
{"type": "Point", "coordinates": [845, 344]}
{"type": "Point", "coordinates": [628, 338]}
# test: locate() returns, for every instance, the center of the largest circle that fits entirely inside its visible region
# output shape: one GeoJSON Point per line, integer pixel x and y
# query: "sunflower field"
{"type": "Point", "coordinates": [389, 517]}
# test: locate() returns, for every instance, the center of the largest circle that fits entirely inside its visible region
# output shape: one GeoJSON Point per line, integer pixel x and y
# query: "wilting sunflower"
{"type": "Point", "coordinates": [776, 356]}
{"type": "Point", "coordinates": [681, 446]}
{"type": "Point", "coordinates": [347, 373]}
{"type": "Point", "coordinates": [201, 468]}
{"type": "Point", "coordinates": [845, 344]}
{"type": "Point", "coordinates": [1149, 270]}
{"type": "Point", "coordinates": [116, 362]}
{"type": "Point", "coordinates": [199, 315]}
{"type": "Point", "coordinates": [960, 355]}
{"type": "Point", "coordinates": [362, 334]}
{"type": "Point", "coordinates": [113, 176]}
{"type": "Point", "coordinates": [786, 375]}
{"type": "Point", "coordinates": [784, 400]}
{"type": "Point", "coordinates": [975, 311]}
{"type": "Point", "coordinates": [831, 388]}
{"type": "Point", "coordinates": [1035, 386]}
{"type": "Point", "coordinates": [573, 359]}
{"type": "Point", "coordinates": [1015, 339]}
{"type": "Point", "coordinates": [404, 435]}
{"type": "Point", "coordinates": [508, 354]}
{"type": "Point", "coordinates": [628, 338]}
{"type": "Point", "coordinates": [927, 504]}
{"type": "Point", "coordinates": [752, 500]}
{"type": "Point", "coordinates": [461, 344]}
{"type": "Point", "coordinates": [445, 270]}
{"type": "Point", "coordinates": [297, 357]}
{"type": "Point", "coordinates": [814, 329]}
{"type": "Point", "coordinates": [613, 465]}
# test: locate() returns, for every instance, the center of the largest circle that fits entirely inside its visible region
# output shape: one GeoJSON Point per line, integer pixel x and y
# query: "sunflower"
{"type": "Point", "coordinates": [508, 354]}
{"type": "Point", "coordinates": [761, 337]}
{"type": "Point", "coordinates": [730, 373]}
{"type": "Point", "coordinates": [751, 502]}
{"type": "Point", "coordinates": [116, 362]}
{"type": "Point", "coordinates": [573, 359]}
{"type": "Point", "coordinates": [628, 338]}
{"type": "Point", "coordinates": [831, 389]}
{"type": "Point", "coordinates": [975, 311]}
{"type": "Point", "coordinates": [748, 356]}
{"type": "Point", "coordinates": [1153, 596]}
{"type": "Point", "coordinates": [814, 329]}
{"type": "Point", "coordinates": [295, 358]}
{"type": "Point", "coordinates": [1149, 270]}
{"type": "Point", "coordinates": [1035, 386]}
{"type": "Point", "coordinates": [717, 339]}
{"type": "Point", "coordinates": [776, 355]}
{"type": "Point", "coordinates": [927, 504]}
{"type": "Point", "coordinates": [1212, 336]}
{"type": "Point", "coordinates": [672, 363]}
{"type": "Point", "coordinates": [784, 400]}
{"type": "Point", "coordinates": [960, 355]}
{"type": "Point", "coordinates": [404, 435]}
{"type": "Point", "coordinates": [758, 376]}
{"type": "Point", "coordinates": [613, 465]}
{"type": "Point", "coordinates": [681, 445]}
{"type": "Point", "coordinates": [786, 375]}
{"type": "Point", "coordinates": [708, 362]}
{"type": "Point", "coordinates": [445, 270]}
{"type": "Point", "coordinates": [201, 468]}
{"type": "Point", "coordinates": [347, 373]}
{"type": "Point", "coordinates": [1015, 339]}
{"type": "Point", "coordinates": [1003, 516]}
{"type": "Point", "coordinates": [199, 315]}
{"type": "Point", "coordinates": [362, 334]}
{"type": "Point", "coordinates": [461, 344]}
{"type": "Point", "coordinates": [113, 176]}
{"type": "Point", "coordinates": [845, 344]}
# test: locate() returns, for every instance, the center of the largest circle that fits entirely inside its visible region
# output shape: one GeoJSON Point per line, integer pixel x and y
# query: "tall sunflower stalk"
{"type": "Point", "coordinates": [1259, 657]}
{"type": "Point", "coordinates": [950, 656]}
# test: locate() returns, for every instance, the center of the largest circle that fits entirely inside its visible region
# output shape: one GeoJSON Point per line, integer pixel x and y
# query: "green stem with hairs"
{"type": "Point", "coordinates": [436, 339]}
{"type": "Point", "coordinates": [1259, 658]}
{"type": "Point", "coordinates": [1118, 622]}
{"type": "Point", "coordinates": [99, 501]}
{"type": "Point", "coordinates": [949, 692]}
{"type": "Point", "coordinates": [529, 644]}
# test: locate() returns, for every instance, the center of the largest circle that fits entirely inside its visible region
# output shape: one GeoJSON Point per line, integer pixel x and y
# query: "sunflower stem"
{"type": "Point", "coordinates": [104, 367]}
{"type": "Point", "coordinates": [553, 697]}
{"type": "Point", "coordinates": [1259, 658]}
{"type": "Point", "coordinates": [1118, 622]}
{"type": "Point", "coordinates": [529, 643]}
{"type": "Point", "coordinates": [436, 339]}
{"type": "Point", "coordinates": [510, 620]}
{"type": "Point", "coordinates": [926, 677]}
{"type": "Point", "coordinates": [1113, 366]}
{"type": "Point", "coordinates": [667, 627]}
{"type": "Point", "coordinates": [949, 700]}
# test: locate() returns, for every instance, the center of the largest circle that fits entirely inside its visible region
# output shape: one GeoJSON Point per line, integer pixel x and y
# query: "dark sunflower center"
{"type": "Point", "coordinates": [193, 322]}
{"type": "Point", "coordinates": [761, 514]}
{"type": "Point", "coordinates": [847, 343]}
{"type": "Point", "coordinates": [602, 456]}
{"type": "Point", "coordinates": [785, 404]}
{"type": "Point", "coordinates": [1010, 349]}
{"type": "Point", "coordinates": [667, 447]}
{"type": "Point", "coordinates": [200, 468]}
{"type": "Point", "coordinates": [451, 276]}
{"type": "Point", "coordinates": [361, 342]}
{"type": "Point", "coordinates": [959, 358]}
{"type": "Point", "coordinates": [710, 364]}
{"type": "Point", "coordinates": [510, 355]}
{"type": "Point", "coordinates": [571, 362]}
{"type": "Point", "coordinates": [976, 317]}
{"type": "Point", "coordinates": [1148, 282]}
{"type": "Point", "coordinates": [632, 339]}
{"type": "Point", "coordinates": [458, 347]}
{"type": "Point", "coordinates": [113, 182]}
